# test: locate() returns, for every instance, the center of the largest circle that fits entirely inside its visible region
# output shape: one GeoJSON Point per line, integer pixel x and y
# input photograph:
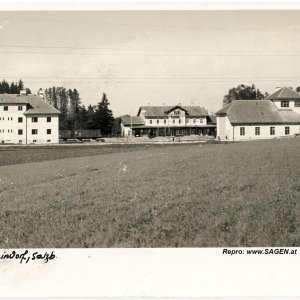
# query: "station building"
{"type": "Point", "coordinates": [168, 121]}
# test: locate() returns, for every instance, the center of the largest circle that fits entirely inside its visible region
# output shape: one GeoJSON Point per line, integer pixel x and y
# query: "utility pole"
{"type": "Point", "coordinates": [131, 122]}
{"type": "Point", "coordinates": [191, 102]}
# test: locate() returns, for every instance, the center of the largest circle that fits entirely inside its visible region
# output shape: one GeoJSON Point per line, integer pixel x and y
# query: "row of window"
{"type": "Point", "coordinates": [20, 119]}
{"type": "Point", "coordinates": [194, 120]}
{"type": "Point", "coordinates": [35, 131]}
{"type": "Point", "coordinates": [285, 103]}
{"type": "Point", "coordinates": [20, 131]}
{"type": "Point", "coordinates": [35, 119]}
{"type": "Point", "coordinates": [257, 130]}
{"type": "Point", "coordinates": [34, 141]}
{"type": "Point", "coordinates": [8, 118]}
{"type": "Point", "coordinates": [20, 107]}
{"type": "Point", "coordinates": [174, 121]}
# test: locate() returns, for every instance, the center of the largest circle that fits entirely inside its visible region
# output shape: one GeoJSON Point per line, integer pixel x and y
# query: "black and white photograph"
{"type": "Point", "coordinates": [149, 129]}
{"type": "Point", "coordinates": [149, 150]}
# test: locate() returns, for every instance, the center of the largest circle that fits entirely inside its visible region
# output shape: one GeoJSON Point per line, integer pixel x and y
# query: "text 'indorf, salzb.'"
{"type": "Point", "coordinates": [26, 256]}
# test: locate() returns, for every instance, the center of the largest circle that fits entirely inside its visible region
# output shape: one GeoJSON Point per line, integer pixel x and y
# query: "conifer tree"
{"type": "Point", "coordinates": [20, 86]}
{"type": "Point", "coordinates": [74, 108]}
{"type": "Point", "coordinates": [103, 116]}
{"type": "Point", "coordinates": [12, 88]}
{"type": "Point", "coordinates": [63, 107]}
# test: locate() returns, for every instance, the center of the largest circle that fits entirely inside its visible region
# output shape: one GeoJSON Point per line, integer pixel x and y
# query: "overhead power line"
{"type": "Point", "coordinates": [149, 49]}
{"type": "Point", "coordinates": [151, 82]}
{"type": "Point", "coordinates": [155, 25]}
{"type": "Point", "coordinates": [151, 54]}
{"type": "Point", "coordinates": [155, 78]}
{"type": "Point", "coordinates": [69, 50]}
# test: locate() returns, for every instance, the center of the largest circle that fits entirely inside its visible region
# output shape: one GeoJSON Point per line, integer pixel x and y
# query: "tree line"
{"type": "Point", "coordinates": [13, 87]}
{"type": "Point", "coordinates": [75, 116]}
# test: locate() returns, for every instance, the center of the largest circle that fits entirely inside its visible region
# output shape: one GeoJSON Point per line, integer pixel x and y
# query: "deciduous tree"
{"type": "Point", "coordinates": [243, 92]}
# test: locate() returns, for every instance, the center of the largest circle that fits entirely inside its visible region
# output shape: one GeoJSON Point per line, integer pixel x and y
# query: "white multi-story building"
{"type": "Point", "coordinates": [278, 115]}
{"type": "Point", "coordinates": [286, 99]}
{"type": "Point", "coordinates": [169, 121]}
{"type": "Point", "coordinates": [27, 119]}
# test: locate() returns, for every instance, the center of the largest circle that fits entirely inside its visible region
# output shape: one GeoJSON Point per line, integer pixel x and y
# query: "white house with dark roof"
{"type": "Point", "coordinates": [168, 121]}
{"type": "Point", "coordinates": [27, 119]}
{"type": "Point", "coordinates": [278, 115]}
{"type": "Point", "coordinates": [286, 99]}
{"type": "Point", "coordinates": [130, 123]}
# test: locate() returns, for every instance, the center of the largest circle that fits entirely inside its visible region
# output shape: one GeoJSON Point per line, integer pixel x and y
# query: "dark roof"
{"type": "Point", "coordinates": [12, 99]}
{"type": "Point", "coordinates": [289, 116]}
{"type": "Point", "coordinates": [212, 119]}
{"type": "Point", "coordinates": [284, 94]}
{"type": "Point", "coordinates": [39, 106]}
{"type": "Point", "coordinates": [36, 105]}
{"type": "Point", "coordinates": [174, 107]}
{"type": "Point", "coordinates": [126, 120]}
{"type": "Point", "coordinates": [160, 111]}
{"type": "Point", "coordinates": [224, 109]}
{"type": "Point", "coordinates": [258, 112]}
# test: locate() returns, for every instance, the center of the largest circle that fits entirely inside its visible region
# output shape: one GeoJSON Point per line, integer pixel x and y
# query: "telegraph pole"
{"type": "Point", "coordinates": [131, 122]}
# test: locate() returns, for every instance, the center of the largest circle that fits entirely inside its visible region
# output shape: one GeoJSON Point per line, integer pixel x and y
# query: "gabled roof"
{"type": "Point", "coordinates": [35, 104]}
{"type": "Point", "coordinates": [39, 106]}
{"type": "Point", "coordinates": [284, 94]}
{"type": "Point", "coordinates": [224, 109]}
{"type": "Point", "coordinates": [258, 112]}
{"type": "Point", "coordinates": [212, 119]}
{"type": "Point", "coordinates": [288, 116]}
{"type": "Point", "coordinates": [196, 111]}
{"type": "Point", "coordinates": [161, 111]}
{"type": "Point", "coordinates": [126, 120]}
{"type": "Point", "coordinates": [12, 99]}
{"type": "Point", "coordinates": [175, 107]}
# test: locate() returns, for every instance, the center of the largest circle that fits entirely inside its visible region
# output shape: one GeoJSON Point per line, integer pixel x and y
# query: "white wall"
{"type": "Point", "coordinates": [42, 125]}
{"type": "Point", "coordinates": [178, 122]}
{"type": "Point", "coordinates": [125, 130]}
{"type": "Point", "coordinates": [264, 132]}
{"type": "Point", "coordinates": [198, 121]}
{"type": "Point", "coordinates": [9, 124]}
{"type": "Point", "coordinates": [224, 128]}
{"type": "Point", "coordinates": [291, 106]}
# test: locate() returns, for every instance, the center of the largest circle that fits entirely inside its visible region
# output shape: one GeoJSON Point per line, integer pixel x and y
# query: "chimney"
{"type": "Point", "coordinates": [22, 92]}
{"type": "Point", "coordinates": [41, 93]}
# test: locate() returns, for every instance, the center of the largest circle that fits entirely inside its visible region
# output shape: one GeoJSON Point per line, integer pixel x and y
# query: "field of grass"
{"type": "Point", "coordinates": [213, 195]}
{"type": "Point", "coordinates": [11, 155]}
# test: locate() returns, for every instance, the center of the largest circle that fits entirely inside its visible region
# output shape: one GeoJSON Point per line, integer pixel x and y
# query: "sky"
{"type": "Point", "coordinates": [151, 57]}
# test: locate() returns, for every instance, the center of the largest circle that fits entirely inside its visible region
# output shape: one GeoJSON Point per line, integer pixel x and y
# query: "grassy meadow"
{"type": "Point", "coordinates": [196, 195]}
